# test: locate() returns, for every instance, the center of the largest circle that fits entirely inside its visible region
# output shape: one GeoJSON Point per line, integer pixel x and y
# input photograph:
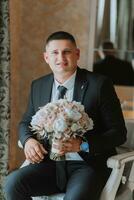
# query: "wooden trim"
{"type": "Point", "coordinates": [92, 29]}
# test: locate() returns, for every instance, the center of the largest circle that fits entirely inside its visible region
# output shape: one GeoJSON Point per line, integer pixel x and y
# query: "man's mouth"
{"type": "Point", "coordinates": [62, 64]}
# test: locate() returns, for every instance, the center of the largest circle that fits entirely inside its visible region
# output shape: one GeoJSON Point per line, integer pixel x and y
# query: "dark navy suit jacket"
{"type": "Point", "coordinates": [120, 71]}
{"type": "Point", "coordinates": [97, 94]}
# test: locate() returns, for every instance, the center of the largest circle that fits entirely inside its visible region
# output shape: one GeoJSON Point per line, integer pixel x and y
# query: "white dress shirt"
{"type": "Point", "coordinates": [69, 84]}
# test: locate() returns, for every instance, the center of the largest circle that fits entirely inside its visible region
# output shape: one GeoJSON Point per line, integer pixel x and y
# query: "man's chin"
{"type": "Point", "coordinates": [62, 69]}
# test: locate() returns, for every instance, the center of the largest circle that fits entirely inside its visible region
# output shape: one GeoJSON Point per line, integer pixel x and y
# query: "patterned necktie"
{"type": "Point", "coordinates": [61, 165]}
{"type": "Point", "coordinates": [62, 91]}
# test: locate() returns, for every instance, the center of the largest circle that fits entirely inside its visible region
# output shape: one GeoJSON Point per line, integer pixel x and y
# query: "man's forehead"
{"type": "Point", "coordinates": [60, 44]}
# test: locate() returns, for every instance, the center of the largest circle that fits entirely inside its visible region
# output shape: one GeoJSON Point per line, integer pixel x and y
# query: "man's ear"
{"type": "Point", "coordinates": [78, 53]}
{"type": "Point", "coordinates": [45, 57]}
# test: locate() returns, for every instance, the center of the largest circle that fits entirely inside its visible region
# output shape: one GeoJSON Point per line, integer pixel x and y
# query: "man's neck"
{"type": "Point", "coordinates": [63, 78]}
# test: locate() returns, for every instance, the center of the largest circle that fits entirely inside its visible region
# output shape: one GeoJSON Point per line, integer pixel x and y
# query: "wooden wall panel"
{"type": "Point", "coordinates": [31, 22]}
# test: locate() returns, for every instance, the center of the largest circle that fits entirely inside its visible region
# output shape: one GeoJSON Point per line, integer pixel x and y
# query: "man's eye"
{"type": "Point", "coordinates": [67, 51]}
{"type": "Point", "coordinates": [54, 52]}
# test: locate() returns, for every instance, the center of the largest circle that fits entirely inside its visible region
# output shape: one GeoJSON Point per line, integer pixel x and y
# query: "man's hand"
{"type": "Point", "coordinates": [34, 151]}
{"type": "Point", "coordinates": [72, 145]}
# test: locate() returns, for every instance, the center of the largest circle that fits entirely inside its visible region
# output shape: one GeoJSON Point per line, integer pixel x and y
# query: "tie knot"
{"type": "Point", "coordinates": [62, 91]}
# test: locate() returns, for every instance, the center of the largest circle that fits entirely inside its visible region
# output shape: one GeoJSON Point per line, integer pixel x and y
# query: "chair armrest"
{"type": "Point", "coordinates": [19, 144]}
{"type": "Point", "coordinates": [117, 163]}
{"type": "Point", "coordinates": [119, 160]}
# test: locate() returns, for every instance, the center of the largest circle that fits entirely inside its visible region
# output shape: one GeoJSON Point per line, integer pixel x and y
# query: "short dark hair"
{"type": "Point", "coordinates": [61, 35]}
{"type": "Point", "coordinates": [108, 48]}
{"type": "Point", "coordinates": [107, 45]}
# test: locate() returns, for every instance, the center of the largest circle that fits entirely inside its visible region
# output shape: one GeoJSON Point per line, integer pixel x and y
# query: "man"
{"type": "Point", "coordinates": [85, 166]}
{"type": "Point", "coordinates": [119, 71]}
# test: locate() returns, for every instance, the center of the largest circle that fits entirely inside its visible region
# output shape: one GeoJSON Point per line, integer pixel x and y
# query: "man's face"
{"type": "Point", "coordinates": [62, 56]}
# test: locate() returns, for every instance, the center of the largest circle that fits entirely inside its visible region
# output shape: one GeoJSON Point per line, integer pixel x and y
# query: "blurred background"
{"type": "Point", "coordinates": [24, 27]}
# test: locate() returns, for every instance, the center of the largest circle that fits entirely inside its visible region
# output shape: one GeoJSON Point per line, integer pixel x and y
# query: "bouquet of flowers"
{"type": "Point", "coordinates": [58, 120]}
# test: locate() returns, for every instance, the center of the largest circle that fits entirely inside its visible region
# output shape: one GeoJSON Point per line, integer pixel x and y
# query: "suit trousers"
{"type": "Point", "coordinates": [83, 182]}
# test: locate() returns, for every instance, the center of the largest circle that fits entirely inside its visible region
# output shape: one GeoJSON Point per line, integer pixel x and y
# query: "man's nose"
{"type": "Point", "coordinates": [61, 56]}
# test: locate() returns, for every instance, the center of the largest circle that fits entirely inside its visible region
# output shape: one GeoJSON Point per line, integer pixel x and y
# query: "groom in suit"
{"type": "Point", "coordinates": [85, 166]}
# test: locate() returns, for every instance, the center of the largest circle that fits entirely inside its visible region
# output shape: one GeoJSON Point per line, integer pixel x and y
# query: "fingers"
{"type": "Point", "coordinates": [67, 147]}
{"type": "Point", "coordinates": [72, 145]}
{"type": "Point", "coordinates": [32, 156]}
{"type": "Point", "coordinates": [34, 151]}
{"type": "Point", "coordinates": [40, 151]}
{"type": "Point", "coordinates": [35, 154]}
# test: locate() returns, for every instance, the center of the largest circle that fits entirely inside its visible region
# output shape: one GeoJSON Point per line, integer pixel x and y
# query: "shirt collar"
{"type": "Point", "coordinates": [69, 83]}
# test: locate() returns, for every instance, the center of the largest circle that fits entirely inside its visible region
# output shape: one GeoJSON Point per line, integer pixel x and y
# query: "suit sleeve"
{"type": "Point", "coordinates": [24, 125]}
{"type": "Point", "coordinates": [111, 130]}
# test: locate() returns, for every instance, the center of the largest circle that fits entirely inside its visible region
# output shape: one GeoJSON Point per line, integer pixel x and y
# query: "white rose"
{"type": "Point", "coordinates": [59, 125]}
{"type": "Point", "coordinates": [73, 114]}
{"type": "Point", "coordinates": [74, 127]}
{"type": "Point", "coordinates": [91, 124]}
{"type": "Point", "coordinates": [48, 128]}
{"type": "Point", "coordinates": [79, 106]}
{"type": "Point", "coordinates": [37, 122]}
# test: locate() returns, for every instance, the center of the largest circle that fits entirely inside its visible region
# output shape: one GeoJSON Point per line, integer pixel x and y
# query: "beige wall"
{"type": "Point", "coordinates": [31, 21]}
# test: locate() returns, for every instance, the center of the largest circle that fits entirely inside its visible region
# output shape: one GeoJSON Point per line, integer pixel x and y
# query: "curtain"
{"type": "Point", "coordinates": [4, 91]}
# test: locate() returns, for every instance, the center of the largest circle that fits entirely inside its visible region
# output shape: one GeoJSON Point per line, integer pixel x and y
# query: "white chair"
{"type": "Point", "coordinates": [113, 189]}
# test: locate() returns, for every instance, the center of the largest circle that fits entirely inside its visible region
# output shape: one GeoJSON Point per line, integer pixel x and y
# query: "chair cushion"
{"type": "Point", "coordinates": [51, 197]}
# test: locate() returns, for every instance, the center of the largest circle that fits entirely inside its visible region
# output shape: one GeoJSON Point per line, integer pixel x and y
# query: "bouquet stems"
{"type": "Point", "coordinates": [55, 149]}
{"type": "Point", "coordinates": [56, 157]}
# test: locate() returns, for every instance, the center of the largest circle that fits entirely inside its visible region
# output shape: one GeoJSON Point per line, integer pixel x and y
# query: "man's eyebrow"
{"type": "Point", "coordinates": [53, 50]}
{"type": "Point", "coordinates": [66, 49]}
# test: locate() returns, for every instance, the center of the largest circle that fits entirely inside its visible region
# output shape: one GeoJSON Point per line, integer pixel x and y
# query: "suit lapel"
{"type": "Point", "coordinates": [80, 86]}
{"type": "Point", "coordinates": [47, 90]}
